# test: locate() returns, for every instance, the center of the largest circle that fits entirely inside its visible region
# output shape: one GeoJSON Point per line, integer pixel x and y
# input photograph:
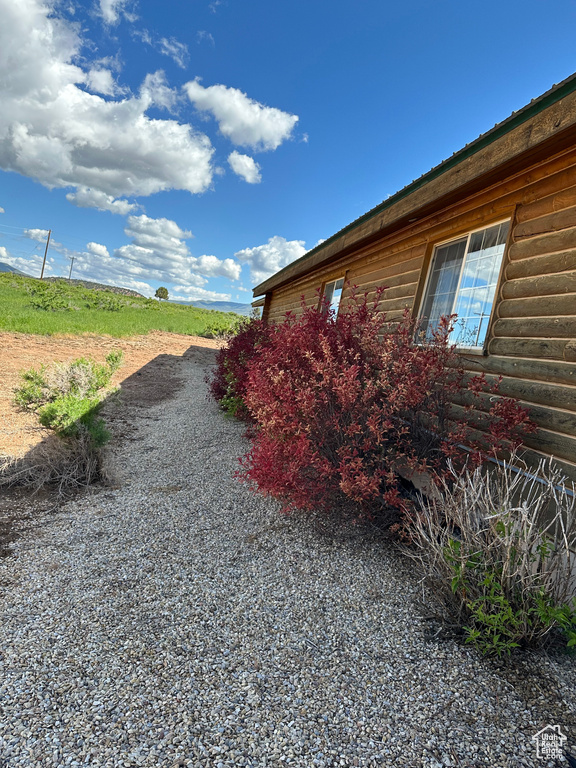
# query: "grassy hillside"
{"type": "Point", "coordinates": [28, 305]}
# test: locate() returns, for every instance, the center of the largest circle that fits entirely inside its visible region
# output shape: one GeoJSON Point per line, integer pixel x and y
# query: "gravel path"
{"type": "Point", "coordinates": [179, 620]}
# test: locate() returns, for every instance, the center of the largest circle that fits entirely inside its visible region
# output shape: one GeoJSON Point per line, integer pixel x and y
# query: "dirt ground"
{"type": "Point", "coordinates": [149, 373]}
{"type": "Point", "coordinates": [19, 431]}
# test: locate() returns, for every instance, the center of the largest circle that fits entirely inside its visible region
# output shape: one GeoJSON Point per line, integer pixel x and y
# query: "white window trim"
{"type": "Point", "coordinates": [325, 286]}
{"type": "Point", "coordinates": [474, 350]}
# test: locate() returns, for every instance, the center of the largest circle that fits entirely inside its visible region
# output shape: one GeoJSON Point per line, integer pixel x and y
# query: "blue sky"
{"type": "Point", "coordinates": [204, 144]}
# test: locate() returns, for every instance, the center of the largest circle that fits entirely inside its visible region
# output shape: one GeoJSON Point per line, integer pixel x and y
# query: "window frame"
{"type": "Point", "coordinates": [470, 350]}
{"type": "Point", "coordinates": [333, 281]}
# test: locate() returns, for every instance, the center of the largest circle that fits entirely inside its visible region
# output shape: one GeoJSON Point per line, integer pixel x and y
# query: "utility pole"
{"type": "Point", "coordinates": [71, 265]}
{"type": "Point", "coordinates": [45, 253]}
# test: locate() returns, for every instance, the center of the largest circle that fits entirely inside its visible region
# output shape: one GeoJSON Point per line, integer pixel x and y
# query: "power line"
{"type": "Point", "coordinates": [22, 230]}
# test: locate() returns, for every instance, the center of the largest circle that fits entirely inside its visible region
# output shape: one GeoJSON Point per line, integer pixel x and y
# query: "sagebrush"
{"type": "Point", "coordinates": [67, 397]}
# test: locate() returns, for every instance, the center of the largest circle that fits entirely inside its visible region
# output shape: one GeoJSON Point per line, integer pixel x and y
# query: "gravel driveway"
{"type": "Point", "coordinates": [180, 620]}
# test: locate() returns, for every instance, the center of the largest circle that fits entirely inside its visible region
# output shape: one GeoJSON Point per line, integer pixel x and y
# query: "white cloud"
{"type": "Point", "coordinates": [157, 253]}
{"type": "Point", "coordinates": [90, 267]}
{"type": "Point", "coordinates": [177, 51]}
{"type": "Point", "coordinates": [101, 81]}
{"type": "Point", "coordinates": [205, 37]}
{"type": "Point", "coordinates": [159, 235]}
{"type": "Point", "coordinates": [92, 198]}
{"type": "Point", "coordinates": [136, 285]}
{"type": "Point", "coordinates": [155, 91]}
{"type": "Point", "coordinates": [2, 210]}
{"type": "Point", "coordinates": [129, 266]}
{"type": "Point", "coordinates": [245, 166]}
{"type": "Point", "coordinates": [265, 260]}
{"type": "Point", "coordinates": [39, 235]}
{"type": "Point", "coordinates": [197, 294]}
{"type": "Point", "coordinates": [98, 250]}
{"type": "Point", "coordinates": [211, 266]}
{"type": "Point", "coordinates": [144, 35]}
{"type": "Point", "coordinates": [244, 121]}
{"type": "Point", "coordinates": [159, 246]}
{"type": "Point", "coordinates": [110, 10]}
{"type": "Point", "coordinates": [57, 133]}
{"type": "Point", "coordinates": [167, 46]}
{"type": "Point", "coordinates": [4, 252]}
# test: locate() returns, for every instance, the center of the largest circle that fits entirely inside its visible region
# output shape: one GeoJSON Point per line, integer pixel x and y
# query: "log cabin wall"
{"type": "Point", "coordinates": [532, 336]}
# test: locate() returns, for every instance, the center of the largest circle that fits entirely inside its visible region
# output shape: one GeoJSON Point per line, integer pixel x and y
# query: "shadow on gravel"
{"type": "Point", "coordinates": [156, 382]}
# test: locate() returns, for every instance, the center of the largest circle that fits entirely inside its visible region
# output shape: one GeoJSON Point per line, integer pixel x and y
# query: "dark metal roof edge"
{"type": "Point", "coordinates": [537, 105]}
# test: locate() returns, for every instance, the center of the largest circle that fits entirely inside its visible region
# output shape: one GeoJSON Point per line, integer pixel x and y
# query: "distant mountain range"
{"type": "Point", "coordinates": [221, 306]}
{"type": "Point", "coordinates": [8, 268]}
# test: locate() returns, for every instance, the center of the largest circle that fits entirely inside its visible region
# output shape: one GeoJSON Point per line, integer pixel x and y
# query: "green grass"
{"type": "Point", "coordinates": [28, 305]}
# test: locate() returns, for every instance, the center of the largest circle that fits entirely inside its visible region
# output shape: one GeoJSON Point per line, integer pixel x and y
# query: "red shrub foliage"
{"type": "Point", "coordinates": [228, 385]}
{"type": "Point", "coordinates": [342, 408]}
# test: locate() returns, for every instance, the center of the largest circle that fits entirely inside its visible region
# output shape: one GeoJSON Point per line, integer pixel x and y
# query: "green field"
{"type": "Point", "coordinates": [28, 305]}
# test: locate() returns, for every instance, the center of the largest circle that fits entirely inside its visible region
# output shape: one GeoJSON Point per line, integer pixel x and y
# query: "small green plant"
{"type": "Point", "coordinates": [563, 616]}
{"type": "Point", "coordinates": [105, 300]}
{"type": "Point", "coordinates": [30, 393]}
{"type": "Point", "coordinates": [497, 549]}
{"type": "Point", "coordinates": [50, 297]}
{"type": "Point", "coordinates": [70, 414]}
{"type": "Point", "coordinates": [68, 396]}
{"type": "Point", "coordinates": [494, 624]}
{"type": "Point", "coordinates": [226, 328]}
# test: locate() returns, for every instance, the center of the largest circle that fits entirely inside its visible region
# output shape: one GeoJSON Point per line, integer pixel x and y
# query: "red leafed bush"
{"type": "Point", "coordinates": [343, 409]}
{"type": "Point", "coordinates": [228, 384]}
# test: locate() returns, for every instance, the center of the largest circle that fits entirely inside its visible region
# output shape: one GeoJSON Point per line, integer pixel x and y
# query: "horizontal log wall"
{"type": "Point", "coordinates": [532, 343]}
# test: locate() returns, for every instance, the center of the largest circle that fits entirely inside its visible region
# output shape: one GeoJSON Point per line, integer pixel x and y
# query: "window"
{"type": "Point", "coordinates": [332, 294]}
{"type": "Point", "coordinates": [462, 281]}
